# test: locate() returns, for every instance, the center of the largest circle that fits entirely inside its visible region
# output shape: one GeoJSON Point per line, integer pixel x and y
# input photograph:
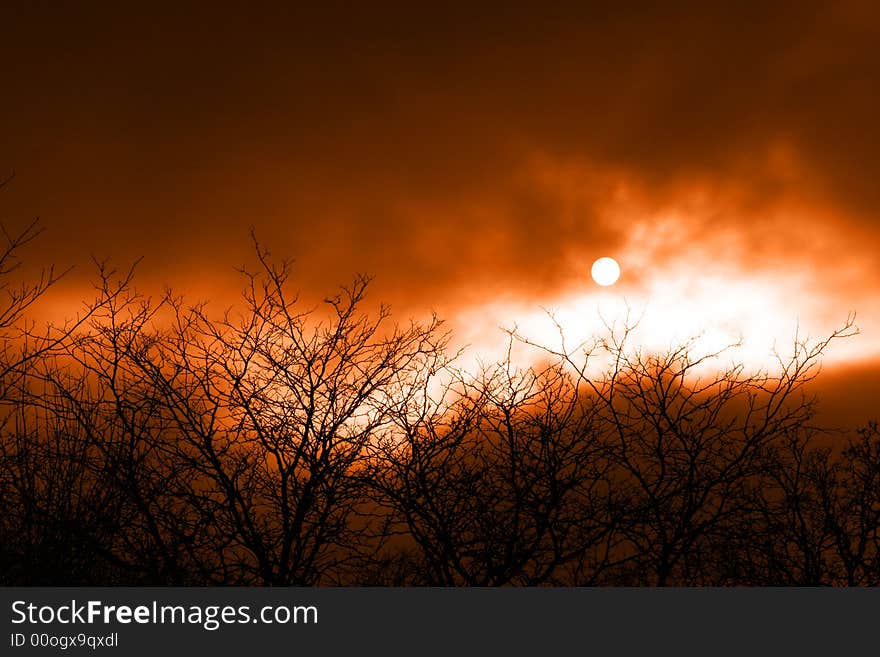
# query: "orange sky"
{"type": "Point", "coordinates": [475, 160]}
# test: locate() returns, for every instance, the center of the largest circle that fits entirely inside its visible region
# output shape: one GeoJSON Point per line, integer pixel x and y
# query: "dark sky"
{"type": "Point", "coordinates": [461, 155]}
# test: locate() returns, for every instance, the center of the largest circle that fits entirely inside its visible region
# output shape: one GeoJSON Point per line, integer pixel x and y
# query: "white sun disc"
{"type": "Point", "coordinates": [605, 271]}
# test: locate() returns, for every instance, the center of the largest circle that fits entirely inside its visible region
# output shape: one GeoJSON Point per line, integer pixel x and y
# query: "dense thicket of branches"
{"type": "Point", "coordinates": [146, 442]}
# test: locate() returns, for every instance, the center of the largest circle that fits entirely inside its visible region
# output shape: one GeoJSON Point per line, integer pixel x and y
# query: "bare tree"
{"type": "Point", "coordinates": [504, 483]}
{"type": "Point", "coordinates": [151, 442]}
{"type": "Point", "coordinates": [687, 437]}
{"type": "Point", "coordinates": [239, 444]}
{"type": "Point", "coordinates": [847, 490]}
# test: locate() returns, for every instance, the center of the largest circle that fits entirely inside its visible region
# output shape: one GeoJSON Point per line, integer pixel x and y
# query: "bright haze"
{"type": "Point", "coordinates": [475, 160]}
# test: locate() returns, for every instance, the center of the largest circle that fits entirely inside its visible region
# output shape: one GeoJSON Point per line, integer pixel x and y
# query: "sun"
{"type": "Point", "coordinates": [605, 271]}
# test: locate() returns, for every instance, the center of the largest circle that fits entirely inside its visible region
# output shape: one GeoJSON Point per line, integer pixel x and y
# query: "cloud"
{"type": "Point", "coordinates": [462, 156]}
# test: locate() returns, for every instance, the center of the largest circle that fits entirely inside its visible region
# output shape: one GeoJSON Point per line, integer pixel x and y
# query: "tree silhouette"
{"type": "Point", "coordinates": [47, 486]}
{"type": "Point", "coordinates": [505, 484]}
{"type": "Point", "coordinates": [149, 442]}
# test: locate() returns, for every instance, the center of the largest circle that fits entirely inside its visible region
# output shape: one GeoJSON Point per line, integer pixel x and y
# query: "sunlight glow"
{"type": "Point", "coordinates": [749, 318]}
